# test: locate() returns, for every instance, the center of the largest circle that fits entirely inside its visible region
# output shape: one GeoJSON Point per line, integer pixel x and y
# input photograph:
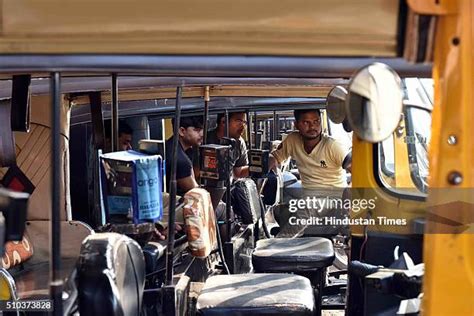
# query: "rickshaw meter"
{"type": "Point", "coordinates": [258, 162]}
{"type": "Point", "coordinates": [213, 161]}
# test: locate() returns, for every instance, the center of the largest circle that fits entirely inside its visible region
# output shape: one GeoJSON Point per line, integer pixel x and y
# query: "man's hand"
{"type": "Point", "coordinates": [272, 163]}
{"type": "Point", "coordinates": [241, 172]}
{"type": "Point", "coordinates": [162, 233]}
{"type": "Point", "coordinates": [187, 183]}
{"type": "Point", "coordinates": [347, 163]}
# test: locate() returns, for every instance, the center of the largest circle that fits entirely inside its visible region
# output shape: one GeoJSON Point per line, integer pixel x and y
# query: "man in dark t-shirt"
{"type": "Point", "coordinates": [239, 162]}
{"type": "Point", "coordinates": [190, 134]}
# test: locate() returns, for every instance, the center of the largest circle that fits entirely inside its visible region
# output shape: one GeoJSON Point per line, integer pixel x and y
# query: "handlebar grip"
{"type": "Point", "coordinates": [361, 269]}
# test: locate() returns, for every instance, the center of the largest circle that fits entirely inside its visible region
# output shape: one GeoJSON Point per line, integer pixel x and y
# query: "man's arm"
{"type": "Point", "coordinates": [187, 183]}
{"type": "Point", "coordinates": [272, 163]}
{"type": "Point", "coordinates": [185, 179]}
{"type": "Point", "coordinates": [241, 167]}
{"type": "Point", "coordinates": [280, 154]}
{"type": "Point", "coordinates": [347, 162]}
{"type": "Point", "coordinates": [241, 172]}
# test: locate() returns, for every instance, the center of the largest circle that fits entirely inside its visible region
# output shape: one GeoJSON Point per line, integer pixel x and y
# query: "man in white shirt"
{"type": "Point", "coordinates": [320, 158]}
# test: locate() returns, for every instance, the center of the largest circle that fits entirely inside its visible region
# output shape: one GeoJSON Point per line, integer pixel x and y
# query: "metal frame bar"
{"type": "Point", "coordinates": [114, 109]}
{"type": "Point", "coordinates": [193, 106]}
{"type": "Point", "coordinates": [228, 183]}
{"type": "Point", "coordinates": [56, 283]}
{"type": "Point", "coordinates": [217, 66]}
{"type": "Point", "coordinates": [83, 82]}
{"type": "Point", "coordinates": [255, 128]}
{"type": "Point", "coordinates": [226, 123]}
{"type": "Point", "coordinates": [206, 113]}
{"type": "Point", "coordinates": [275, 126]}
{"type": "Point", "coordinates": [172, 205]}
{"type": "Point", "coordinates": [249, 129]}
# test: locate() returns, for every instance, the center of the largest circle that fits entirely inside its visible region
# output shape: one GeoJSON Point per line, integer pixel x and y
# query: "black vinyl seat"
{"type": "Point", "coordinates": [292, 254]}
{"type": "Point", "coordinates": [110, 275]}
{"type": "Point", "coordinates": [282, 254]}
{"type": "Point", "coordinates": [256, 294]}
{"type": "Point", "coordinates": [33, 281]}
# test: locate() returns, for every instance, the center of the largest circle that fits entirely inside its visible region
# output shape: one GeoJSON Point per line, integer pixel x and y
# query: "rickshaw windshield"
{"type": "Point", "coordinates": [417, 135]}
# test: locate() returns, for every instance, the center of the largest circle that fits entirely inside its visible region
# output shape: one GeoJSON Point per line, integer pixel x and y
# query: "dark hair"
{"type": "Point", "coordinates": [221, 115]}
{"type": "Point", "coordinates": [124, 128]}
{"type": "Point", "coordinates": [190, 121]}
{"type": "Point", "coordinates": [298, 113]}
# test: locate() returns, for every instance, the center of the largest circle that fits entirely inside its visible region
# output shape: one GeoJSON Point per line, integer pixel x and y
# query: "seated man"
{"type": "Point", "coordinates": [239, 162]}
{"type": "Point", "coordinates": [320, 159]}
{"type": "Point", "coordinates": [125, 136]}
{"type": "Point", "coordinates": [190, 134]}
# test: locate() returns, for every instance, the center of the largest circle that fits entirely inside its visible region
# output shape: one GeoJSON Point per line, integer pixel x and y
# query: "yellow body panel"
{"type": "Point", "coordinates": [402, 169]}
{"type": "Point", "coordinates": [250, 27]}
{"type": "Point", "coordinates": [449, 258]}
{"type": "Point", "coordinates": [388, 205]}
{"type": "Point", "coordinates": [4, 290]}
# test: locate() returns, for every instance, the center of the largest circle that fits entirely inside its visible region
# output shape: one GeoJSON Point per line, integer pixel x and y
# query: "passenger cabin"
{"type": "Point", "coordinates": [392, 83]}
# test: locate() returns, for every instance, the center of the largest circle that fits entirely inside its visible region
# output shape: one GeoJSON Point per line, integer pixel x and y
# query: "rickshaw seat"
{"type": "Point", "coordinates": [256, 294]}
{"type": "Point", "coordinates": [292, 254]}
{"type": "Point", "coordinates": [110, 275]}
{"type": "Point", "coordinates": [285, 254]}
{"type": "Point", "coordinates": [33, 281]}
{"type": "Point", "coordinates": [32, 277]}
{"type": "Point", "coordinates": [153, 251]}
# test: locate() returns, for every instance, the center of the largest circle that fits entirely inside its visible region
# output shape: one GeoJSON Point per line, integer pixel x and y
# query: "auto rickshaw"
{"type": "Point", "coordinates": [277, 41]}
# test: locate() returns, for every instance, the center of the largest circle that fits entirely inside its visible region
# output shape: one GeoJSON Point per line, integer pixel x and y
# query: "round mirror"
{"type": "Point", "coordinates": [374, 102]}
{"type": "Point", "coordinates": [335, 104]}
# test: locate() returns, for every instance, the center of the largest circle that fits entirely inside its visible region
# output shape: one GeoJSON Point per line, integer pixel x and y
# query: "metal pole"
{"type": "Point", "coordinates": [206, 113]}
{"type": "Point", "coordinates": [172, 206]}
{"type": "Point", "coordinates": [114, 109]}
{"type": "Point", "coordinates": [226, 123]}
{"type": "Point", "coordinates": [227, 190]}
{"type": "Point", "coordinates": [275, 126]}
{"type": "Point", "coordinates": [249, 127]}
{"type": "Point", "coordinates": [56, 283]}
{"type": "Point", "coordinates": [255, 122]}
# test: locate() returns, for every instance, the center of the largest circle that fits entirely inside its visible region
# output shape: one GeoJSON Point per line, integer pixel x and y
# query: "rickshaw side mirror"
{"type": "Point", "coordinates": [374, 102]}
{"type": "Point", "coordinates": [336, 104]}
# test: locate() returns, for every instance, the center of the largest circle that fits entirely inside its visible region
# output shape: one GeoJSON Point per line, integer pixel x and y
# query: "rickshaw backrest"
{"type": "Point", "coordinates": [200, 222]}
{"type": "Point", "coordinates": [33, 158]}
{"type": "Point", "coordinates": [271, 188]}
{"type": "Point", "coordinates": [246, 201]}
{"type": "Point", "coordinates": [110, 275]}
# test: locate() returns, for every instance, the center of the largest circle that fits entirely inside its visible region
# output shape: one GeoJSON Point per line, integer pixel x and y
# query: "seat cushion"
{"type": "Point", "coordinates": [17, 252]}
{"type": "Point", "coordinates": [256, 294]}
{"type": "Point", "coordinates": [110, 275]}
{"type": "Point", "coordinates": [200, 222]}
{"type": "Point", "coordinates": [33, 281]}
{"type": "Point", "coordinates": [292, 254]}
{"type": "Point", "coordinates": [246, 201]}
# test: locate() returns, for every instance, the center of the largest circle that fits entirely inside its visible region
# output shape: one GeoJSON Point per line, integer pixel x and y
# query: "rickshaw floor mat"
{"type": "Point", "coordinates": [194, 291]}
{"type": "Point", "coordinates": [256, 294]}
{"type": "Point", "coordinates": [33, 280]}
{"type": "Point", "coordinates": [336, 301]}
